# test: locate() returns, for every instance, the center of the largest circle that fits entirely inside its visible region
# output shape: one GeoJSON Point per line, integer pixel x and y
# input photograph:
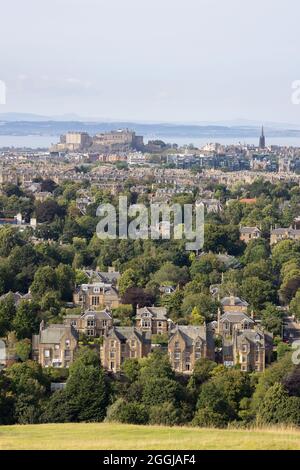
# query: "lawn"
{"type": "Point", "coordinates": [103, 436]}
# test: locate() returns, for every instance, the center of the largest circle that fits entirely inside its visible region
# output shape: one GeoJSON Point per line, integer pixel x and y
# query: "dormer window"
{"type": "Point", "coordinates": [96, 290]}
{"type": "Point", "coordinates": [244, 348]}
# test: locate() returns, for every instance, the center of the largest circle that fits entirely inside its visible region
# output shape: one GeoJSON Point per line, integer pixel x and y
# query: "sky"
{"type": "Point", "coordinates": [151, 60]}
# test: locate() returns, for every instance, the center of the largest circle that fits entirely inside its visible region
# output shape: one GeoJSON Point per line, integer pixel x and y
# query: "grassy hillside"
{"type": "Point", "coordinates": [120, 436]}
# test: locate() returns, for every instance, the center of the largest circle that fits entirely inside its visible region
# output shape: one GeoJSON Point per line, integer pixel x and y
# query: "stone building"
{"type": "Point", "coordinates": [55, 345]}
{"type": "Point", "coordinates": [279, 234]}
{"type": "Point", "coordinates": [123, 343]}
{"type": "Point", "coordinates": [189, 343]}
{"type": "Point", "coordinates": [92, 323]}
{"type": "Point", "coordinates": [234, 304]}
{"type": "Point", "coordinates": [249, 233]}
{"type": "Point", "coordinates": [152, 319]}
{"type": "Point", "coordinates": [233, 319]}
{"type": "Point", "coordinates": [96, 296]}
{"type": "Point", "coordinates": [251, 349]}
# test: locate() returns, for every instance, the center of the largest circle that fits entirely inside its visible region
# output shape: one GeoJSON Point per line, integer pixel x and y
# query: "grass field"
{"type": "Point", "coordinates": [100, 436]}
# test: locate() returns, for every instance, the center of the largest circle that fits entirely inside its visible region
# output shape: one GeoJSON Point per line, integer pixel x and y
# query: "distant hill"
{"type": "Point", "coordinates": [33, 124]}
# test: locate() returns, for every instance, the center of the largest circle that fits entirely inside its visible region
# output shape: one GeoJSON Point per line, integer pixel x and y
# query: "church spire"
{"type": "Point", "coordinates": [262, 139]}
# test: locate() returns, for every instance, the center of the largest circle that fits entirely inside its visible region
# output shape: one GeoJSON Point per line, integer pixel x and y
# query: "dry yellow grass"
{"type": "Point", "coordinates": [105, 436]}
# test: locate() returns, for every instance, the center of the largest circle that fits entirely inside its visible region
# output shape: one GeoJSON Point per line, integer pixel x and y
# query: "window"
{"type": "Point", "coordinates": [133, 343]}
{"type": "Point", "coordinates": [244, 368]}
{"type": "Point", "coordinates": [177, 344]}
{"type": "Point", "coordinates": [176, 365]}
{"type": "Point", "coordinates": [226, 326]}
{"type": "Point", "coordinates": [68, 342]}
{"type": "Point", "coordinates": [112, 355]}
{"type": "Point", "coordinates": [90, 332]}
{"type": "Point", "coordinates": [132, 353]}
{"type": "Point", "coordinates": [56, 346]}
{"type": "Point", "coordinates": [160, 324]}
{"type": "Point", "coordinates": [187, 366]}
{"type": "Point", "coordinates": [146, 324]}
{"type": "Point", "coordinates": [74, 323]}
{"type": "Point", "coordinates": [96, 290]}
{"type": "Point", "coordinates": [198, 345]}
{"type": "Point", "coordinates": [257, 356]}
{"type": "Point", "coordinates": [244, 359]}
{"type": "Point", "coordinates": [198, 355]}
{"type": "Point", "coordinates": [177, 355]}
{"type": "Point", "coordinates": [244, 347]}
{"type": "Point", "coordinates": [112, 365]}
{"type": "Point", "coordinates": [47, 353]}
{"type": "Point", "coordinates": [95, 300]}
{"type": "Point", "coordinates": [91, 323]}
{"type": "Point", "coordinates": [112, 344]}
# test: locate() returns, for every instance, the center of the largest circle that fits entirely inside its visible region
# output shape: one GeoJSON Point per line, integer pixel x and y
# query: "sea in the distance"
{"type": "Point", "coordinates": [44, 141]}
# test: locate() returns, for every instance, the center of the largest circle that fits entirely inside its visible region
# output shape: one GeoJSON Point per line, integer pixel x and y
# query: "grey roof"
{"type": "Point", "coordinates": [106, 277]}
{"type": "Point", "coordinates": [282, 231]}
{"type": "Point", "coordinates": [191, 333]}
{"type": "Point", "coordinates": [253, 336]}
{"type": "Point", "coordinates": [160, 313]}
{"type": "Point", "coordinates": [235, 317]}
{"type": "Point", "coordinates": [101, 315]}
{"type": "Point", "coordinates": [233, 302]}
{"type": "Point", "coordinates": [17, 296]}
{"type": "Point", "coordinates": [249, 229]}
{"type": "Point", "coordinates": [123, 333]}
{"type": "Point", "coordinates": [54, 333]}
{"type": "Point", "coordinates": [107, 288]}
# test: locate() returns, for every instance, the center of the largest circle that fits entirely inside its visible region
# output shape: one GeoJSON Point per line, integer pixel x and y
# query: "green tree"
{"type": "Point", "coordinates": [9, 238]}
{"type": "Point", "coordinates": [23, 349]}
{"type": "Point", "coordinates": [7, 314]}
{"type": "Point", "coordinates": [26, 321]}
{"type": "Point", "coordinates": [45, 280]}
{"type": "Point", "coordinates": [196, 317]}
{"type": "Point", "coordinates": [86, 388]}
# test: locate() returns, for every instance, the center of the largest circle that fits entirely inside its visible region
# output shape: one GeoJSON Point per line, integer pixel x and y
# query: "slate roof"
{"type": "Point", "coordinates": [17, 296]}
{"type": "Point", "coordinates": [159, 313]}
{"type": "Point", "coordinates": [235, 317]}
{"type": "Point", "coordinates": [101, 315]}
{"type": "Point", "coordinates": [52, 334]}
{"type": "Point", "coordinates": [191, 333]}
{"type": "Point", "coordinates": [123, 333]}
{"type": "Point", "coordinates": [234, 302]}
{"type": "Point", "coordinates": [249, 229]}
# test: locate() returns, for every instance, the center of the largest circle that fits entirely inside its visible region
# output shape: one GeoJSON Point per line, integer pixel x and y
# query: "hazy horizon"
{"type": "Point", "coordinates": [172, 61]}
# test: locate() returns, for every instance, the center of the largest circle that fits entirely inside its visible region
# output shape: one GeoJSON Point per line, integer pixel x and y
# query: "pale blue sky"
{"type": "Point", "coordinates": [152, 60]}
